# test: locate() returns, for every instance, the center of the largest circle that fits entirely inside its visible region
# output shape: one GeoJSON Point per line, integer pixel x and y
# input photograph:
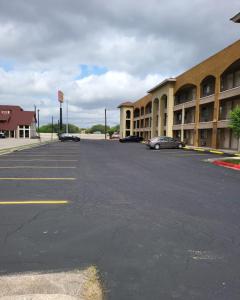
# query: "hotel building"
{"type": "Point", "coordinates": [193, 107]}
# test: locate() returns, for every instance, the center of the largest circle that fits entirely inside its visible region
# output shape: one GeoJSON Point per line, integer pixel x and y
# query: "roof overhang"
{"type": "Point", "coordinates": [236, 18]}
{"type": "Point", "coordinates": [125, 104]}
{"type": "Point", "coordinates": [164, 82]}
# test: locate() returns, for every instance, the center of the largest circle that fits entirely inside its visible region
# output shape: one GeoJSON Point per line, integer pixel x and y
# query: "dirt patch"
{"type": "Point", "coordinates": [75, 285]}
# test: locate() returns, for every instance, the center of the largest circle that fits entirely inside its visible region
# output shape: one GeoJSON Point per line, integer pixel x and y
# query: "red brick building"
{"type": "Point", "coordinates": [17, 123]}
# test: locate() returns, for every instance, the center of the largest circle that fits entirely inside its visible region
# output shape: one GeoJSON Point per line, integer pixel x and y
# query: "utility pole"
{"type": "Point", "coordinates": [60, 116]}
{"type": "Point", "coordinates": [67, 118]}
{"type": "Point", "coordinates": [38, 119]}
{"type": "Point", "coordinates": [52, 128]}
{"type": "Point", "coordinates": [105, 123]}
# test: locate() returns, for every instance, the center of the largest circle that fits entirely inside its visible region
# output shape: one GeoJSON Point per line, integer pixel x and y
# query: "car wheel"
{"type": "Point", "coordinates": [180, 146]}
{"type": "Point", "coordinates": [157, 147]}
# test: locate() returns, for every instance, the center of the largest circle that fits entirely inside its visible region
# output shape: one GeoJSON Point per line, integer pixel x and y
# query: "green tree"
{"type": "Point", "coordinates": [48, 128]}
{"type": "Point", "coordinates": [114, 129]}
{"type": "Point", "coordinates": [235, 123]}
{"type": "Point", "coordinates": [98, 127]}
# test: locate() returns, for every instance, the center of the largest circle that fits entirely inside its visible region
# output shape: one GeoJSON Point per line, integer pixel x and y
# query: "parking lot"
{"type": "Point", "coordinates": [157, 224]}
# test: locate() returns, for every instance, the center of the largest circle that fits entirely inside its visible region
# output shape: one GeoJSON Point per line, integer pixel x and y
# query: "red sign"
{"type": "Point", "coordinates": [60, 96]}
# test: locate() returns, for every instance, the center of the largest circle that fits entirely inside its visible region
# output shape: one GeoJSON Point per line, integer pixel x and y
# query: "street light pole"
{"type": "Point", "coordinates": [52, 129]}
{"type": "Point", "coordinates": [60, 116]}
{"type": "Point", "coordinates": [38, 119]}
{"type": "Point", "coordinates": [67, 118]}
{"type": "Point", "coordinates": [105, 124]}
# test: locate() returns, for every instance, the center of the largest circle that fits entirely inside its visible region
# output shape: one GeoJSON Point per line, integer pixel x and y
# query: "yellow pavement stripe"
{"type": "Point", "coordinates": [34, 202]}
{"type": "Point", "coordinates": [36, 155]}
{"type": "Point", "coordinates": [216, 152]}
{"type": "Point", "coordinates": [38, 160]}
{"type": "Point", "coordinates": [36, 167]}
{"type": "Point", "coordinates": [40, 178]}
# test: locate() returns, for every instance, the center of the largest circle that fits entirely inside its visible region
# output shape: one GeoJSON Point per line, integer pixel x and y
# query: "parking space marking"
{"type": "Point", "coordinates": [34, 202]}
{"type": "Point", "coordinates": [37, 178]}
{"type": "Point", "coordinates": [72, 160]}
{"type": "Point", "coordinates": [36, 167]}
{"type": "Point", "coordinates": [48, 155]}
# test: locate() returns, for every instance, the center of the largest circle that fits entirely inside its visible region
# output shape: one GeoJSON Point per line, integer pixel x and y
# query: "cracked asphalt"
{"type": "Point", "coordinates": [157, 224]}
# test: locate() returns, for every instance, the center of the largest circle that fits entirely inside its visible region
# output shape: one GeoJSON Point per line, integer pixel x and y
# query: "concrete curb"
{"type": "Point", "coordinates": [214, 151]}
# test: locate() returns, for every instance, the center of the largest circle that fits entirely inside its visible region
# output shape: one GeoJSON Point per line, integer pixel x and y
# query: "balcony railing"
{"type": "Point", "coordinates": [230, 93]}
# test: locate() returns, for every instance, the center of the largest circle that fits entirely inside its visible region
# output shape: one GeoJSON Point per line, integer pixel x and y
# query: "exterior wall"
{"type": "Point", "coordinates": [123, 120]}
{"type": "Point", "coordinates": [163, 93]}
{"type": "Point", "coordinates": [201, 120]}
{"type": "Point", "coordinates": [214, 66]}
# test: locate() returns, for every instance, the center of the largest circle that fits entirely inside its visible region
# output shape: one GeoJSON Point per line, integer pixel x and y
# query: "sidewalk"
{"type": "Point", "coordinates": [9, 145]}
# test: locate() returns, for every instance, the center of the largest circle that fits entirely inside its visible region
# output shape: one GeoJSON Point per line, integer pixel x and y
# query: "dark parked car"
{"type": "Point", "coordinates": [164, 142]}
{"type": "Point", "coordinates": [2, 135]}
{"type": "Point", "coordinates": [68, 137]}
{"type": "Point", "coordinates": [131, 139]}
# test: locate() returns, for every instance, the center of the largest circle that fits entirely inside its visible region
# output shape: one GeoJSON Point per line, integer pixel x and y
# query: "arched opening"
{"type": "Point", "coordinates": [142, 111]}
{"type": "Point", "coordinates": [136, 112]}
{"type": "Point", "coordinates": [185, 93]}
{"type": "Point", "coordinates": [155, 120]}
{"type": "Point", "coordinates": [230, 78]}
{"type": "Point", "coordinates": [128, 114]}
{"type": "Point", "coordinates": [148, 108]}
{"type": "Point", "coordinates": [163, 112]}
{"type": "Point", "coordinates": [207, 86]}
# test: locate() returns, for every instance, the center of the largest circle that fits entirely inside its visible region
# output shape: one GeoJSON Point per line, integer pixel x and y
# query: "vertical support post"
{"type": "Point", "coordinates": [61, 116]}
{"type": "Point", "coordinates": [38, 119]}
{"type": "Point", "coordinates": [52, 128]}
{"type": "Point", "coordinates": [67, 119]}
{"type": "Point", "coordinates": [105, 127]}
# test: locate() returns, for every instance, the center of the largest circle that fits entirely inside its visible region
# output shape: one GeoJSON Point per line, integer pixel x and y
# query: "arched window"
{"type": "Point", "coordinates": [185, 94]}
{"type": "Point", "coordinates": [128, 114]}
{"type": "Point", "coordinates": [148, 108]}
{"type": "Point", "coordinates": [231, 76]}
{"type": "Point", "coordinates": [136, 112]}
{"type": "Point", "coordinates": [207, 86]}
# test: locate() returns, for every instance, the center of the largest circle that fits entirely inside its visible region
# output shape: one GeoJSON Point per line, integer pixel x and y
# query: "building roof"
{"type": "Point", "coordinates": [161, 84]}
{"type": "Point", "coordinates": [13, 116]}
{"type": "Point", "coordinates": [127, 104]}
{"type": "Point", "coordinates": [236, 18]}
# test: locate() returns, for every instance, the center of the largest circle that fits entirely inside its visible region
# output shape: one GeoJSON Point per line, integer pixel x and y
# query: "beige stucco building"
{"type": "Point", "coordinates": [193, 107]}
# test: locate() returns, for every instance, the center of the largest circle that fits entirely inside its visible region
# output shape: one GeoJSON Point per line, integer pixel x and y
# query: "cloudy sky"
{"type": "Point", "coordinates": [103, 52]}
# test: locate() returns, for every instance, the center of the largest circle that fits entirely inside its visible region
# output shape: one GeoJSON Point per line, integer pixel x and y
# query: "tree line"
{"type": "Point", "coordinates": [48, 128]}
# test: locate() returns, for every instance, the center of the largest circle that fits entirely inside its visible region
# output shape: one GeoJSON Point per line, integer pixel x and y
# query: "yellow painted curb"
{"type": "Point", "coordinates": [216, 152]}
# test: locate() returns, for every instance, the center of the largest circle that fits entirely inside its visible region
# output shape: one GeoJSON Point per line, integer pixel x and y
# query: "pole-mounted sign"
{"type": "Point", "coordinates": [60, 100]}
{"type": "Point", "coordinates": [60, 96]}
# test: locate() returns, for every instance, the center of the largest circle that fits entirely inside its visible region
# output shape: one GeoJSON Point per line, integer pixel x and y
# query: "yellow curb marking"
{"type": "Point", "coordinates": [216, 152]}
{"type": "Point", "coordinates": [34, 202]}
{"type": "Point", "coordinates": [40, 178]}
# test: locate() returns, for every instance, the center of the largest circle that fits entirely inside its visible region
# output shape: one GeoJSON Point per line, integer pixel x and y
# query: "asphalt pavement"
{"type": "Point", "coordinates": [157, 224]}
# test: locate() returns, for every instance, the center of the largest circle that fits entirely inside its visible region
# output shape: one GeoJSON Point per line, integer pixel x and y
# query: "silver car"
{"type": "Point", "coordinates": [164, 142]}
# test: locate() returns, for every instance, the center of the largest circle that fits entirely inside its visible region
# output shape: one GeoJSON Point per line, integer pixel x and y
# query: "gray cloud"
{"type": "Point", "coordinates": [48, 40]}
